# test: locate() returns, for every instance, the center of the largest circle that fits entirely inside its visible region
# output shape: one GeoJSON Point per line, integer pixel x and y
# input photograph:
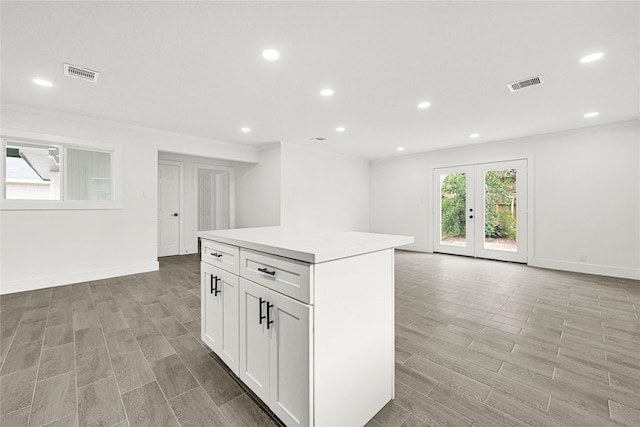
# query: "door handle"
{"type": "Point", "coordinates": [174, 214]}
{"type": "Point", "coordinates": [213, 278]}
{"type": "Point", "coordinates": [217, 291]}
{"type": "Point", "coordinates": [261, 316]}
{"type": "Point", "coordinates": [269, 321]}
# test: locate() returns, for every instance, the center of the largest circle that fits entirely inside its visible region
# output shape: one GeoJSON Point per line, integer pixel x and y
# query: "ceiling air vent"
{"type": "Point", "coordinates": [531, 81]}
{"type": "Point", "coordinates": [80, 73]}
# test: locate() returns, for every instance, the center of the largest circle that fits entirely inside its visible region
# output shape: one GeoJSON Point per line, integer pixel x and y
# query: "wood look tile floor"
{"type": "Point", "coordinates": [478, 343]}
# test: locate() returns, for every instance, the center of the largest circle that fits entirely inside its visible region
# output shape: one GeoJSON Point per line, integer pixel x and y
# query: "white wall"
{"type": "Point", "coordinates": [258, 190]}
{"type": "Point", "coordinates": [585, 200]}
{"type": "Point", "coordinates": [298, 187]}
{"type": "Point", "coordinates": [46, 248]}
{"type": "Point", "coordinates": [324, 190]}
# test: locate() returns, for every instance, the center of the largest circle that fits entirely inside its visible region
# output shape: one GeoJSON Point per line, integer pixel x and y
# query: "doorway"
{"type": "Point", "coordinates": [169, 208]}
{"type": "Point", "coordinates": [481, 210]}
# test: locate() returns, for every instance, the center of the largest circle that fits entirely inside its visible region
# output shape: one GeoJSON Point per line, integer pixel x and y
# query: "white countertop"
{"type": "Point", "coordinates": [313, 246]}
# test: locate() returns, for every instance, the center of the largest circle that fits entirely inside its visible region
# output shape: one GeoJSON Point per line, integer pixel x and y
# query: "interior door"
{"type": "Point", "coordinates": [168, 209]}
{"type": "Point", "coordinates": [481, 210]}
{"type": "Point", "coordinates": [206, 200]}
{"type": "Point", "coordinates": [213, 199]}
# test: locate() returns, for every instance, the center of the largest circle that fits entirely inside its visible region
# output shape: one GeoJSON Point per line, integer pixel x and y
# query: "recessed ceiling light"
{"type": "Point", "coordinates": [400, 148]}
{"type": "Point", "coordinates": [593, 114]}
{"type": "Point", "coordinates": [474, 135]}
{"type": "Point", "coordinates": [270, 54]}
{"type": "Point", "coordinates": [245, 129]}
{"type": "Point", "coordinates": [424, 105]}
{"type": "Point", "coordinates": [592, 57]}
{"type": "Point", "coordinates": [42, 82]}
{"type": "Point", "coordinates": [340, 129]}
{"type": "Point", "coordinates": [326, 92]}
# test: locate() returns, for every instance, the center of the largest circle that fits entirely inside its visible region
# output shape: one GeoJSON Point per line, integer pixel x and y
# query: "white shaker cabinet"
{"type": "Point", "coordinates": [274, 351]}
{"type": "Point", "coordinates": [254, 346]}
{"type": "Point", "coordinates": [315, 319]}
{"type": "Point", "coordinates": [219, 323]}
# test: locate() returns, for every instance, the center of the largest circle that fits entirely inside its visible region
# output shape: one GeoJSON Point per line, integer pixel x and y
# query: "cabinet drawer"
{"type": "Point", "coordinates": [221, 255]}
{"type": "Point", "coordinates": [289, 277]}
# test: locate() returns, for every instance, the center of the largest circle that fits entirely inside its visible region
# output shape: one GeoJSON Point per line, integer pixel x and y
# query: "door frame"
{"type": "Point", "coordinates": [528, 157]}
{"type": "Point", "coordinates": [180, 166]}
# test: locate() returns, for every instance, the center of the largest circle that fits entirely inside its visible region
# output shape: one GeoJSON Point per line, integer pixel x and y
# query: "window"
{"type": "Point", "coordinates": [88, 175]}
{"type": "Point", "coordinates": [32, 172]}
{"type": "Point", "coordinates": [61, 174]}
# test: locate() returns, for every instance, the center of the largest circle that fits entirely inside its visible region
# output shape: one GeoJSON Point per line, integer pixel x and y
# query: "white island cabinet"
{"type": "Point", "coordinates": [304, 318]}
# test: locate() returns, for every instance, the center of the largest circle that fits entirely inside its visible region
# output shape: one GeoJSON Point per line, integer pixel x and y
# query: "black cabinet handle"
{"type": "Point", "coordinates": [217, 291]}
{"type": "Point", "coordinates": [261, 316]}
{"type": "Point", "coordinates": [213, 278]}
{"type": "Point", "coordinates": [269, 321]}
{"type": "Point", "coordinates": [215, 254]}
{"type": "Point", "coordinates": [265, 271]}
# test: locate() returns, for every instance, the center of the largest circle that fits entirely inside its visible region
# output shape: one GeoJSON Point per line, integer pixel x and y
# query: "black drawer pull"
{"type": "Point", "coordinates": [269, 307]}
{"type": "Point", "coordinates": [265, 271]}
{"type": "Point", "coordinates": [261, 316]}
{"type": "Point", "coordinates": [215, 254]}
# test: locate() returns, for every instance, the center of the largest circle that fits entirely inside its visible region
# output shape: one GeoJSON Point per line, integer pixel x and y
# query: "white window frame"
{"type": "Point", "coordinates": [17, 136]}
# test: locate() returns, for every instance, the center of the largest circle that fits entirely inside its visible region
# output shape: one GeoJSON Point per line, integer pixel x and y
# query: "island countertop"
{"type": "Point", "coordinates": [312, 246]}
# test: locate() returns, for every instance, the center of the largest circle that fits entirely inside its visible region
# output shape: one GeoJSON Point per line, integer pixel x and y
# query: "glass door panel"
{"type": "Point", "coordinates": [453, 207]}
{"type": "Point", "coordinates": [453, 198]}
{"type": "Point", "coordinates": [500, 210]}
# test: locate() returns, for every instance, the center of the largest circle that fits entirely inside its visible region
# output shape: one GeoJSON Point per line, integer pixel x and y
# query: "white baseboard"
{"type": "Point", "coordinates": [583, 267]}
{"type": "Point", "coordinates": [33, 283]}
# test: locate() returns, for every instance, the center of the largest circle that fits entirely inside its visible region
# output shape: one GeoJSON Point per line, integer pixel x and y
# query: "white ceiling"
{"type": "Point", "coordinates": [195, 68]}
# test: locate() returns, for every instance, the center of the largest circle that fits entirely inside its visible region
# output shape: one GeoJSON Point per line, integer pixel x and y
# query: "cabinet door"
{"type": "Point", "coordinates": [254, 338]}
{"type": "Point", "coordinates": [228, 339]}
{"type": "Point", "coordinates": [211, 307]}
{"type": "Point", "coordinates": [290, 352]}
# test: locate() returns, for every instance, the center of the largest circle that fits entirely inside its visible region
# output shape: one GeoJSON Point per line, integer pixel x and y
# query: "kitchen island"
{"type": "Point", "coordinates": [305, 318]}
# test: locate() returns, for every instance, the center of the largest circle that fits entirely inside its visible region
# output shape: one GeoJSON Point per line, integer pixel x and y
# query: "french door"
{"type": "Point", "coordinates": [481, 210]}
{"type": "Point", "coordinates": [213, 210]}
